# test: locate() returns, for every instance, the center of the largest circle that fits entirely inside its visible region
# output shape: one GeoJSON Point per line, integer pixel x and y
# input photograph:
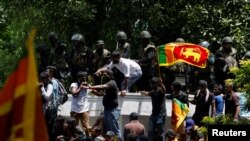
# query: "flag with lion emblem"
{"type": "Point", "coordinates": [171, 53]}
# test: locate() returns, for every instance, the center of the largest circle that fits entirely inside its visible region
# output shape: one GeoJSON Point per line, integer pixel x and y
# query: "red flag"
{"type": "Point", "coordinates": [21, 116]}
{"type": "Point", "coordinates": [192, 54]}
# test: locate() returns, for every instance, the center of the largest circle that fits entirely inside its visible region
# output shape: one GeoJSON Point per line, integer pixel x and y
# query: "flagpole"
{"type": "Point", "coordinates": [157, 61]}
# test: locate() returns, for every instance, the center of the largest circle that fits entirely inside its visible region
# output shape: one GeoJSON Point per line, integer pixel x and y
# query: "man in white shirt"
{"type": "Point", "coordinates": [131, 70]}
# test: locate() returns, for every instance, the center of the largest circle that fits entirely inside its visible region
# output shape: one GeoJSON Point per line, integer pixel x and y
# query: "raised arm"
{"type": "Point", "coordinates": [75, 90]}
{"type": "Point", "coordinates": [144, 93]}
{"type": "Point", "coordinates": [99, 71]}
{"type": "Point", "coordinates": [96, 89]}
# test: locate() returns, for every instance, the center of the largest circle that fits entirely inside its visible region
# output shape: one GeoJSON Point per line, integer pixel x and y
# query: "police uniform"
{"type": "Point", "coordinates": [100, 61]}
{"type": "Point", "coordinates": [82, 60]}
{"type": "Point", "coordinates": [148, 63]}
{"type": "Point", "coordinates": [125, 50]}
{"type": "Point", "coordinates": [223, 61]}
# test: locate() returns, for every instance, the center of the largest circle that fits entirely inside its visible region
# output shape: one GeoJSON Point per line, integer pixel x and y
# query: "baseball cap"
{"type": "Point", "coordinates": [189, 123]}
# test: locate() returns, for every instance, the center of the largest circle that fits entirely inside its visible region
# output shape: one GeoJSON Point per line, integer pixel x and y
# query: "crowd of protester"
{"type": "Point", "coordinates": [115, 72]}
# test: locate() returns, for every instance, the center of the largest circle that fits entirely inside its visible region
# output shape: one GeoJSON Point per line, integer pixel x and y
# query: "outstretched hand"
{"type": "Point", "coordinates": [84, 87]}
{"type": "Point", "coordinates": [123, 93]}
{"type": "Point", "coordinates": [143, 93]}
{"type": "Point", "coordinates": [98, 73]}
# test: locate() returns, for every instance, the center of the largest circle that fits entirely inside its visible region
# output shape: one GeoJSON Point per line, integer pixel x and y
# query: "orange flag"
{"type": "Point", "coordinates": [21, 116]}
{"type": "Point", "coordinates": [169, 54]}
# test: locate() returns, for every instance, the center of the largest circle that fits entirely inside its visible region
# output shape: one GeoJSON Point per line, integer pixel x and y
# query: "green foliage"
{"type": "Point", "coordinates": [98, 19]}
{"type": "Point", "coordinates": [18, 17]}
{"type": "Point", "coordinates": [212, 21]}
{"type": "Point", "coordinates": [7, 63]}
{"type": "Point", "coordinates": [224, 120]}
{"type": "Point", "coordinates": [203, 130]}
{"type": "Point", "coordinates": [242, 79]}
{"type": "Point", "coordinates": [208, 120]}
{"type": "Point", "coordinates": [221, 120]}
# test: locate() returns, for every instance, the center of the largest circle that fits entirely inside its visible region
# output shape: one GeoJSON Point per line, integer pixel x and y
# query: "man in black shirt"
{"type": "Point", "coordinates": [157, 118]}
{"type": "Point", "coordinates": [110, 101]}
{"type": "Point", "coordinates": [203, 100]}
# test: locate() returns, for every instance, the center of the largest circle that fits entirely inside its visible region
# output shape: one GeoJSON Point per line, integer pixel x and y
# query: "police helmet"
{"type": "Point", "coordinates": [52, 37]}
{"type": "Point", "coordinates": [78, 37]}
{"type": "Point", "coordinates": [100, 42]}
{"type": "Point", "coordinates": [205, 44]}
{"type": "Point", "coordinates": [121, 35]}
{"type": "Point", "coordinates": [145, 34]}
{"type": "Point", "coordinates": [227, 40]}
{"type": "Point", "coordinates": [180, 40]}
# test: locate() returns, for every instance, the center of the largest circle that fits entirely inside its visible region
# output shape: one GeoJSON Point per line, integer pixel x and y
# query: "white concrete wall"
{"type": "Point", "coordinates": [132, 102]}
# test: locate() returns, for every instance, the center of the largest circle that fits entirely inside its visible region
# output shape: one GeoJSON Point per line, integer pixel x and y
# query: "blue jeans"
{"type": "Point", "coordinates": [111, 117]}
{"type": "Point", "coordinates": [131, 81]}
{"type": "Point", "coordinates": [156, 126]}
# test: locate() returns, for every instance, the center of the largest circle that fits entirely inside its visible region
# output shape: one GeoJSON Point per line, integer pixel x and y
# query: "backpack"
{"type": "Point", "coordinates": [62, 93]}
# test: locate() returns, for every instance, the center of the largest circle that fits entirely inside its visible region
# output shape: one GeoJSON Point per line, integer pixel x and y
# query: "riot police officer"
{"type": "Point", "coordinates": [81, 56]}
{"type": "Point", "coordinates": [226, 57]}
{"type": "Point", "coordinates": [147, 61]}
{"type": "Point", "coordinates": [102, 57]}
{"type": "Point", "coordinates": [122, 45]}
{"type": "Point", "coordinates": [125, 51]}
{"type": "Point", "coordinates": [54, 42]}
{"type": "Point", "coordinates": [60, 61]}
{"type": "Point", "coordinates": [58, 56]}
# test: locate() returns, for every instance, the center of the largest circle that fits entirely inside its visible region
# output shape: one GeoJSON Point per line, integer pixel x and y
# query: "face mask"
{"type": "Point", "coordinates": [99, 50]}
{"type": "Point", "coordinates": [145, 42]}
{"type": "Point", "coordinates": [121, 42]}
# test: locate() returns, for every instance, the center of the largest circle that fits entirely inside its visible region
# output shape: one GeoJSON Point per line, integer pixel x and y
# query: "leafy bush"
{"type": "Point", "coordinates": [242, 79]}
{"type": "Point", "coordinates": [221, 120]}
{"type": "Point", "coordinates": [166, 20]}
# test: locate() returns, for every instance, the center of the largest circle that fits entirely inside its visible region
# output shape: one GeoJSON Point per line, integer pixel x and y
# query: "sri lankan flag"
{"type": "Point", "coordinates": [179, 113]}
{"type": "Point", "coordinates": [171, 53]}
{"type": "Point", "coordinates": [21, 116]}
